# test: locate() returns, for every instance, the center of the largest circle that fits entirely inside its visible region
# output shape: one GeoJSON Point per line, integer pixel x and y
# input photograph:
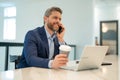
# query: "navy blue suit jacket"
{"type": "Point", "coordinates": [36, 49]}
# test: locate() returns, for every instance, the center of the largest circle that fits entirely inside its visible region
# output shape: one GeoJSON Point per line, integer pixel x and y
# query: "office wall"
{"type": "Point", "coordinates": [1, 23]}
{"type": "Point", "coordinates": [103, 13]}
{"type": "Point", "coordinates": [2, 58]}
{"type": "Point", "coordinates": [77, 18]}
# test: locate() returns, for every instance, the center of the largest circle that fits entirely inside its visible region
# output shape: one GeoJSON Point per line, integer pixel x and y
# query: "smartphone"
{"type": "Point", "coordinates": [60, 29]}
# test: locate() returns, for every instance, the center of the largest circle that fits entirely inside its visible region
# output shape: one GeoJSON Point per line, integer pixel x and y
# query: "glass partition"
{"type": "Point", "coordinates": [109, 35]}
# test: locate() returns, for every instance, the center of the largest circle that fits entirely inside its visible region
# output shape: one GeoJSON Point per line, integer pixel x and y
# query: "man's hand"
{"type": "Point", "coordinates": [61, 35]}
{"type": "Point", "coordinates": [59, 60]}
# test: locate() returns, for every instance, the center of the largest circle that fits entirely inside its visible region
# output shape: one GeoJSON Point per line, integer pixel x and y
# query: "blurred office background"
{"type": "Point", "coordinates": [80, 17]}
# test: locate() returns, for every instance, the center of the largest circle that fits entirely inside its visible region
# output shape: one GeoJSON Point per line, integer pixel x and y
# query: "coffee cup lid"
{"type": "Point", "coordinates": [65, 48]}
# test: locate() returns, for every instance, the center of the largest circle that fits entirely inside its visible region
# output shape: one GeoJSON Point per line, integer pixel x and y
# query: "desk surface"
{"type": "Point", "coordinates": [109, 72]}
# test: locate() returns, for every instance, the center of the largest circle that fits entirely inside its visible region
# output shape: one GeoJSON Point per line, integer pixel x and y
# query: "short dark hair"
{"type": "Point", "coordinates": [50, 10]}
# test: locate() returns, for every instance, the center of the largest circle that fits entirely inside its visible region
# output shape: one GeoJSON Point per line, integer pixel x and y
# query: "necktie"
{"type": "Point", "coordinates": [51, 48]}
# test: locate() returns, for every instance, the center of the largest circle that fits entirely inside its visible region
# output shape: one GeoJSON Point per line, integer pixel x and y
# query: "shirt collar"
{"type": "Point", "coordinates": [48, 34]}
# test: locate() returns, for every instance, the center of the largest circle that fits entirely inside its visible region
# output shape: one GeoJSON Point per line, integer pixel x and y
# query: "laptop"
{"type": "Point", "coordinates": [91, 58]}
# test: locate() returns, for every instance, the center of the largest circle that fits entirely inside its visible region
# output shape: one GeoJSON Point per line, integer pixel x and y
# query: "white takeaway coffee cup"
{"type": "Point", "coordinates": [65, 49]}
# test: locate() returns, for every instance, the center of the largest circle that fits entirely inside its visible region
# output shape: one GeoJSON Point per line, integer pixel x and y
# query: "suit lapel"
{"type": "Point", "coordinates": [44, 39]}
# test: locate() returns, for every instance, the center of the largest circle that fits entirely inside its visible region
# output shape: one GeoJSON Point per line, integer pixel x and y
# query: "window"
{"type": "Point", "coordinates": [9, 23]}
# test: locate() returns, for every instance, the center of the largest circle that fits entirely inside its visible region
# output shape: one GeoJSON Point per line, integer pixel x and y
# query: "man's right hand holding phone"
{"type": "Point", "coordinates": [60, 33]}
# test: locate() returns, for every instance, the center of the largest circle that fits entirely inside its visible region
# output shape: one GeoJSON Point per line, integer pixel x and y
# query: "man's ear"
{"type": "Point", "coordinates": [45, 18]}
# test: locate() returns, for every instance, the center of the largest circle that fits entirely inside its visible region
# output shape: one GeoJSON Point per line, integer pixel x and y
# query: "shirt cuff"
{"type": "Point", "coordinates": [62, 43]}
{"type": "Point", "coordinates": [50, 64]}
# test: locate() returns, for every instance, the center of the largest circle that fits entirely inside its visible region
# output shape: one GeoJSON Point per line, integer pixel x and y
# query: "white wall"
{"type": "Point", "coordinates": [2, 58]}
{"type": "Point", "coordinates": [77, 18]}
{"type": "Point", "coordinates": [103, 13]}
{"type": "Point", "coordinates": [1, 23]}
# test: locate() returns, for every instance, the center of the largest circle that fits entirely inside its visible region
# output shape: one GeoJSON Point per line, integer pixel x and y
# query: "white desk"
{"type": "Point", "coordinates": [109, 72]}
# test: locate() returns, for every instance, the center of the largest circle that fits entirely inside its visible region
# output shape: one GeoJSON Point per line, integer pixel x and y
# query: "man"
{"type": "Point", "coordinates": [41, 45]}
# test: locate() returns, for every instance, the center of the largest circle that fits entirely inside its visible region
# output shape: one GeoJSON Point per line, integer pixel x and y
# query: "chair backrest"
{"type": "Point", "coordinates": [15, 59]}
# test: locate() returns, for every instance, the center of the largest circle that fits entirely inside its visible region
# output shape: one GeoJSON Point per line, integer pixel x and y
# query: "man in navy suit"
{"type": "Point", "coordinates": [37, 51]}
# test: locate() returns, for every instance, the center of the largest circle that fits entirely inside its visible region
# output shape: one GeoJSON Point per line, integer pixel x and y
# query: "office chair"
{"type": "Point", "coordinates": [15, 59]}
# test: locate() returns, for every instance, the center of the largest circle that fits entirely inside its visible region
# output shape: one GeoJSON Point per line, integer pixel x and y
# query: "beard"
{"type": "Point", "coordinates": [51, 27]}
